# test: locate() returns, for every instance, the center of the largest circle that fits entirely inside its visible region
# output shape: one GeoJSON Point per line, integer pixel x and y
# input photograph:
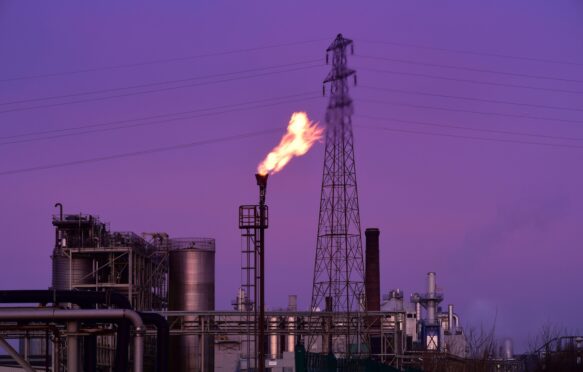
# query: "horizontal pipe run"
{"type": "Point", "coordinates": [65, 315]}
{"type": "Point", "coordinates": [88, 300]}
{"type": "Point", "coordinates": [219, 313]}
{"type": "Point", "coordinates": [84, 299]}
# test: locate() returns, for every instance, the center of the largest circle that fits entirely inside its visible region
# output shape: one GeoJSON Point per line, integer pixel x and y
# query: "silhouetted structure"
{"type": "Point", "coordinates": [339, 267]}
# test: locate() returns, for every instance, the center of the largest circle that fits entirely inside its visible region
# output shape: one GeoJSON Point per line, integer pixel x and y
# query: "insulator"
{"type": "Point", "coordinates": [326, 58]}
{"type": "Point", "coordinates": [324, 90]}
{"type": "Point", "coordinates": [354, 79]}
{"type": "Point", "coordinates": [351, 48]}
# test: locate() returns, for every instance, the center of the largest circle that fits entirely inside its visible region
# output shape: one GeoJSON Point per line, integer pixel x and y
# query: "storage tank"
{"type": "Point", "coordinates": [191, 287]}
{"type": "Point", "coordinates": [507, 349]}
{"type": "Point", "coordinates": [69, 272]}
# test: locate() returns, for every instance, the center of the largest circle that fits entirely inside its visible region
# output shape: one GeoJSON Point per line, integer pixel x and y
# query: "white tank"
{"type": "Point", "coordinates": [507, 349]}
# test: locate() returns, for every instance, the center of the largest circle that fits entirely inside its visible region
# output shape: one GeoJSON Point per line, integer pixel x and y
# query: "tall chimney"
{"type": "Point", "coordinates": [431, 303]}
{"type": "Point", "coordinates": [372, 286]}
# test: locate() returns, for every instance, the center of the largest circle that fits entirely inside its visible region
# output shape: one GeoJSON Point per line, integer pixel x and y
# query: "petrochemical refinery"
{"type": "Point", "coordinates": [125, 301]}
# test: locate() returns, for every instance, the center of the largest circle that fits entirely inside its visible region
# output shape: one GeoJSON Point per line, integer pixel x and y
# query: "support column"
{"type": "Point", "coordinates": [72, 346]}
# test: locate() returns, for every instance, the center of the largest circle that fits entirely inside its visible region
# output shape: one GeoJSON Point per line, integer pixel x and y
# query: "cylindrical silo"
{"type": "Point", "coordinates": [191, 287]}
{"type": "Point", "coordinates": [68, 272]}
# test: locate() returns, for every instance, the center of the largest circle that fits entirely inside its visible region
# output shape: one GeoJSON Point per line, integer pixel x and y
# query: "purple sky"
{"type": "Point", "coordinates": [500, 223]}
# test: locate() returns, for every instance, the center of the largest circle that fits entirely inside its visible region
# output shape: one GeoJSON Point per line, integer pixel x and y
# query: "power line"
{"type": "Point", "coordinates": [249, 135]}
{"type": "Point", "coordinates": [466, 137]}
{"type": "Point", "coordinates": [77, 94]}
{"type": "Point", "coordinates": [470, 98]}
{"type": "Point", "coordinates": [166, 60]}
{"type": "Point", "coordinates": [141, 152]}
{"type": "Point", "coordinates": [98, 130]}
{"type": "Point", "coordinates": [472, 69]}
{"type": "Point", "coordinates": [480, 82]}
{"type": "Point", "coordinates": [104, 124]}
{"type": "Point", "coordinates": [494, 131]}
{"type": "Point", "coordinates": [157, 90]}
{"type": "Point", "coordinates": [476, 53]}
{"type": "Point", "coordinates": [489, 113]}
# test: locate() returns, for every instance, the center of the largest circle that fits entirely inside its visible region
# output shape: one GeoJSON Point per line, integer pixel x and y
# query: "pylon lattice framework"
{"type": "Point", "coordinates": [339, 267]}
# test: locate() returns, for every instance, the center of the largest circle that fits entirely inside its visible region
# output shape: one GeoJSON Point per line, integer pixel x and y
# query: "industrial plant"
{"type": "Point", "coordinates": [125, 301]}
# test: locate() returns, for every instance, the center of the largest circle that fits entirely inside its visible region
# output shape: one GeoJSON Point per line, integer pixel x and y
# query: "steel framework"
{"type": "Point", "coordinates": [338, 285]}
{"type": "Point", "coordinates": [89, 257]}
{"type": "Point", "coordinates": [252, 218]}
{"type": "Point", "coordinates": [226, 326]}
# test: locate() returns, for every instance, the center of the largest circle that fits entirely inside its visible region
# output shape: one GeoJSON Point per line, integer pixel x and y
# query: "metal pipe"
{"type": "Point", "coordinates": [262, 183]}
{"type": "Point", "coordinates": [88, 299]}
{"type": "Point", "coordinates": [14, 354]}
{"type": "Point", "coordinates": [273, 338]}
{"type": "Point", "coordinates": [291, 322]}
{"type": "Point", "coordinates": [72, 346]}
{"type": "Point", "coordinates": [26, 345]}
{"type": "Point", "coordinates": [47, 350]}
{"type": "Point", "coordinates": [68, 315]}
{"type": "Point", "coordinates": [84, 299]}
{"type": "Point", "coordinates": [291, 337]}
{"type": "Point", "coordinates": [90, 353]}
{"type": "Point", "coordinates": [122, 346]}
{"type": "Point", "coordinates": [60, 206]}
{"type": "Point", "coordinates": [450, 319]}
{"type": "Point", "coordinates": [162, 338]}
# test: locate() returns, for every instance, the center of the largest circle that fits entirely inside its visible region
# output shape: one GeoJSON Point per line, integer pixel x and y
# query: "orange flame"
{"type": "Point", "coordinates": [301, 135]}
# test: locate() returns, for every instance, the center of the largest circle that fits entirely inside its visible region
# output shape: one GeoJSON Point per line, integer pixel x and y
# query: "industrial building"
{"type": "Point", "coordinates": [174, 279]}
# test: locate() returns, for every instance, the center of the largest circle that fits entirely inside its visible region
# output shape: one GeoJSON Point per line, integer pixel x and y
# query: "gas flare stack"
{"type": "Point", "coordinates": [300, 135]}
{"type": "Point", "coordinates": [253, 220]}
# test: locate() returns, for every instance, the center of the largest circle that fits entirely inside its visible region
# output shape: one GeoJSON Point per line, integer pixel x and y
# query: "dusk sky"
{"type": "Point", "coordinates": [468, 139]}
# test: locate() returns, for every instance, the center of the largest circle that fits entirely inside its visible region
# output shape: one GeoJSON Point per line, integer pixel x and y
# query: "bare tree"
{"type": "Point", "coordinates": [554, 348]}
{"type": "Point", "coordinates": [548, 332]}
{"type": "Point", "coordinates": [481, 342]}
